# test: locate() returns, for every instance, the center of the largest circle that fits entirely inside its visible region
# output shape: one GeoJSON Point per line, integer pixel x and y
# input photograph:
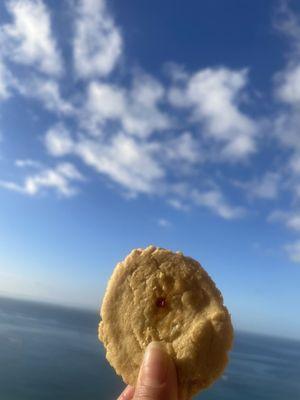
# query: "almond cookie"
{"type": "Point", "coordinates": [158, 295]}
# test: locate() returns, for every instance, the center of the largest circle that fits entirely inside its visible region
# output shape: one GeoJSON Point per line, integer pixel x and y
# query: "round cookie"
{"type": "Point", "coordinates": [158, 295]}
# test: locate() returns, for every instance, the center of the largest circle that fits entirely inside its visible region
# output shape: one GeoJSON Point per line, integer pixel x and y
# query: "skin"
{"type": "Point", "coordinates": [157, 378]}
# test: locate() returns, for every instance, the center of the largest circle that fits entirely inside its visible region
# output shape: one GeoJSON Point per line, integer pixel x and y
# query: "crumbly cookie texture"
{"type": "Point", "coordinates": [158, 295]}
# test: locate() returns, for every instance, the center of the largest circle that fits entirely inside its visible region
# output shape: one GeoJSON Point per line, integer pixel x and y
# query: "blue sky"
{"type": "Point", "coordinates": [152, 123]}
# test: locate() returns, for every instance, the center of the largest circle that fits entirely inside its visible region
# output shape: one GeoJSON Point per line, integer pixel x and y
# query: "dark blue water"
{"type": "Point", "coordinates": [49, 352]}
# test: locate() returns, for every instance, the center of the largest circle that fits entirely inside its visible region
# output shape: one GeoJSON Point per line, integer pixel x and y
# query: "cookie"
{"type": "Point", "coordinates": [158, 295]}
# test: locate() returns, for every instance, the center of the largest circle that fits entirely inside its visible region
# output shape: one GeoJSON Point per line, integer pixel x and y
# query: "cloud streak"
{"type": "Point", "coordinates": [97, 43]}
{"type": "Point", "coordinates": [214, 95]}
{"type": "Point", "coordinates": [29, 39]}
{"type": "Point", "coordinates": [59, 179]}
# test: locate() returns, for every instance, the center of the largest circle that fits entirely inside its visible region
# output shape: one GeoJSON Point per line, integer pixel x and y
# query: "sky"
{"type": "Point", "coordinates": [168, 123]}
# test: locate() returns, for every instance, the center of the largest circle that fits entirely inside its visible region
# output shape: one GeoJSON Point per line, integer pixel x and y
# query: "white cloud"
{"type": "Point", "coordinates": [288, 22]}
{"type": "Point", "coordinates": [104, 102]}
{"type": "Point", "coordinates": [136, 109]}
{"type": "Point", "coordinates": [143, 115]}
{"type": "Point", "coordinates": [29, 39]}
{"type": "Point", "coordinates": [291, 219]}
{"type": "Point", "coordinates": [138, 165]}
{"type": "Point", "coordinates": [288, 85]}
{"type": "Point", "coordinates": [179, 204]}
{"type": "Point", "coordinates": [214, 96]}
{"type": "Point", "coordinates": [27, 163]}
{"type": "Point", "coordinates": [293, 251]}
{"type": "Point", "coordinates": [5, 77]}
{"type": "Point", "coordinates": [97, 41]}
{"type": "Point", "coordinates": [214, 200]}
{"type": "Point", "coordinates": [176, 72]}
{"type": "Point", "coordinates": [183, 148]}
{"type": "Point", "coordinates": [164, 223]}
{"type": "Point", "coordinates": [58, 141]}
{"type": "Point", "coordinates": [267, 187]}
{"type": "Point", "coordinates": [294, 164]}
{"type": "Point", "coordinates": [124, 159]}
{"type": "Point", "coordinates": [286, 128]}
{"type": "Point", "coordinates": [287, 81]}
{"type": "Point", "coordinates": [141, 166]}
{"type": "Point", "coordinates": [287, 91]}
{"type": "Point", "coordinates": [59, 179]}
{"type": "Point", "coordinates": [47, 91]}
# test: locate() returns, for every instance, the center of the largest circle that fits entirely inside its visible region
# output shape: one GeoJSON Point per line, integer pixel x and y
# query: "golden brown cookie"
{"type": "Point", "coordinates": [158, 295]}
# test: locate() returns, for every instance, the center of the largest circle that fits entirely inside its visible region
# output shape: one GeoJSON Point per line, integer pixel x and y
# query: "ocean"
{"type": "Point", "coordinates": [50, 352]}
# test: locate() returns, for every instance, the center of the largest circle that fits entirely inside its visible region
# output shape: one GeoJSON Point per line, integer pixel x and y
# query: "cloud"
{"type": "Point", "coordinates": [288, 85]}
{"type": "Point", "coordinates": [124, 159]}
{"type": "Point", "coordinates": [294, 163]}
{"type": "Point", "coordinates": [27, 163]}
{"type": "Point", "coordinates": [58, 141]}
{"type": "Point", "coordinates": [97, 43]}
{"type": "Point", "coordinates": [142, 167]}
{"type": "Point", "coordinates": [59, 178]}
{"type": "Point", "coordinates": [164, 223]}
{"type": "Point", "coordinates": [5, 78]}
{"type": "Point", "coordinates": [287, 81]}
{"type": "Point", "coordinates": [178, 204]}
{"type": "Point", "coordinates": [291, 219]}
{"type": "Point", "coordinates": [136, 110]}
{"type": "Point", "coordinates": [287, 93]}
{"type": "Point", "coordinates": [28, 39]}
{"type": "Point", "coordinates": [267, 187]}
{"type": "Point", "coordinates": [288, 22]}
{"type": "Point", "coordinates": [214, 96]}
{"type": "Point", "coordinates": [214, 200]}
{"type": "Point", "coordinates": [184, 148]}
{"type": "Point", "coordinates": [46, 91]}
{"type": "Point", "coordinates": [293, 251]}
{"type": "Point", "coordinates": [286, 128]}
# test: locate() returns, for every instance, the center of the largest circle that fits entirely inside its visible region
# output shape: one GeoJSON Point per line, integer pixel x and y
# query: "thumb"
{"type": "Point", "coordinates": [157, 378]}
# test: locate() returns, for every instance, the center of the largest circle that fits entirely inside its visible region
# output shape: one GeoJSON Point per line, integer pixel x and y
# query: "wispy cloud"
{"type": "Point", "coordinates": [164, 223]}
{"type": "Point", "coordinates": [125, 160]}
{"type": "Point", "coordinates": [291, 219]}
{"type": "Point", "coordinates": [5, 77]}
{"type": "Point", "coordinates": [287, 120]}
{"type": "Point", "coordinates": [265, 187]}
{"type": "Point", "coordinates": [59, 178]}
{"type": "Point", "coordinates": [137, 110]}
{"type": "Point", "coordinates": [214, 200]}
{"type": "Point", "coordinates": [27, 163]}
{"type": "Point", "coordinates": [97, 42]}
{"type": "Point", "coordinates": [29, 39]}
{"type": "Point", "coordinates": [141, 167]}
{"type": "Point", "coordinates": [293, 251]}
{"type": "Point", "coordinates": [46, 92]}
{"type": "Point", "coordinates": [214, 95]}
{"type": "Point", "coordinates": [58, 141]}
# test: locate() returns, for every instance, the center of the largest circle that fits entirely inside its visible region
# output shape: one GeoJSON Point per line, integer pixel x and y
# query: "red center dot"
{"type": "Point", "coordinates": [161, 302]}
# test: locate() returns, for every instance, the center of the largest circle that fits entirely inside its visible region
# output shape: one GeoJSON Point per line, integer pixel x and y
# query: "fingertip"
{"type": "Point", "coordinates": [127, 393]}
{"type": "Point", "coordinates": [158, 377]}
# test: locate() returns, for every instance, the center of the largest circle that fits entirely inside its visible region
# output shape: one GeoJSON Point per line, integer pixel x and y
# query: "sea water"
{"type": "Point", "coordinates": [50, 352]}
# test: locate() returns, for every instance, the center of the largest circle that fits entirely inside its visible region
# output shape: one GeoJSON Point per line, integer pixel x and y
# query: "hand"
{"type": "Point", "coordinates": [157, 378]}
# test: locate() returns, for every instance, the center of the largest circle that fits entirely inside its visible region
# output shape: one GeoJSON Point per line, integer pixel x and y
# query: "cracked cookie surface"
{"type": "Point", "coordinates": [158, 295]}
